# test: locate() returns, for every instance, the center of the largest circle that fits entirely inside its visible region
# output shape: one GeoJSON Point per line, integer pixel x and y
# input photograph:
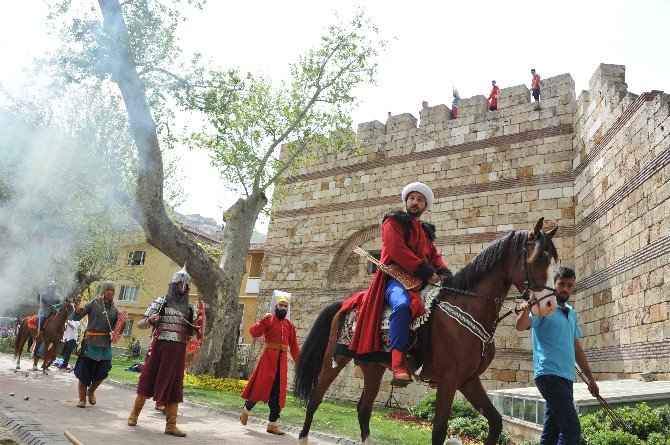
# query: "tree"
{"type": "Point", "coordinates": [250, 122]}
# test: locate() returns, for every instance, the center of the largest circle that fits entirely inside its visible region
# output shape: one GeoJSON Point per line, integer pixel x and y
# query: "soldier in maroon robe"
{"type": "Point", "coordinates": [268, 382]}
{"type": "Point", "coordinates": [162, 377]}
{"type": "Point", "coordinates": [408, 242]}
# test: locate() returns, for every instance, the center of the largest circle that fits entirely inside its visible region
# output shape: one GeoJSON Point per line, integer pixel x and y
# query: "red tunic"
{"type": "Point", "coordinates": [493, 97]}
{"type": "Point", "coordinates": [409, 255]}
{"type": "Point", "coordinates": [260, 383]}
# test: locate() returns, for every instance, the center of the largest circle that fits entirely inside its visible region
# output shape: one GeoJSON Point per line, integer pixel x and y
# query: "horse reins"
{"type": "Point", "coordinates": [530, 286]}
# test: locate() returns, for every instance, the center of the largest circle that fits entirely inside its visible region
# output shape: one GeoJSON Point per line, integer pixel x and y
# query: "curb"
{"type": "Point", "coordinates": [26, 429]}
{"type": "Point", "coordinates": [253, 420]}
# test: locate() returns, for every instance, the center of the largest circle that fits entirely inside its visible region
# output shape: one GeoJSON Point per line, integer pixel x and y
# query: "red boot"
{"type": "Point", "coordinates": [400, 372]}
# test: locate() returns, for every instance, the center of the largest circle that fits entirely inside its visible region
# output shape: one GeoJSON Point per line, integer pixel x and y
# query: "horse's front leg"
{"type": "Point", "coordinates": [46, 358]}
{"type": "Point", "coordinates": [446, 390]}
{"type": "Point", "coordinates": [372, 378]}
{"type": "Point", "coordinates": [474, 391]}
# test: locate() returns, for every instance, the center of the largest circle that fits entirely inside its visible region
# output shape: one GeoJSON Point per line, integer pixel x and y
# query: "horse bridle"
{"type": "Point", "coordinates": [530, 286]}
{"type": "Point", "coordinates": [529, 283]}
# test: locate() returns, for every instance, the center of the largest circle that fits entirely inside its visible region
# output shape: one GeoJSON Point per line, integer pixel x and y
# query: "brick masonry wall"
{"type": "Point", "coordinates": [595, 165]}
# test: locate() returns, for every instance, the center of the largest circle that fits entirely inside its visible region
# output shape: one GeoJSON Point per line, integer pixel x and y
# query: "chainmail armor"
{"type": "Point", "coordinates": [173, 325]}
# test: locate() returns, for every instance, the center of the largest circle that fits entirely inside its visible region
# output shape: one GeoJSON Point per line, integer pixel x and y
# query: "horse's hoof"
{"type": "Point", "coordinates": [367, 441]}
{"type": "Point", "coordinates": [303, 441]}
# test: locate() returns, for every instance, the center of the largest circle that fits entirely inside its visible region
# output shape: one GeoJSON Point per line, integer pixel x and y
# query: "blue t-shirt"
{"type": "Point", "coordinates": [554, 343]}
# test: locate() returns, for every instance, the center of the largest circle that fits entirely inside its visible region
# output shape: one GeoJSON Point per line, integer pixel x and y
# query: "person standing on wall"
{"type": "Point", "coordinates": [454, 104]}
{"type": "Point", "coordinates": [556, 348]}
{"type": "Point", "coordinates": [535, 87]}
{"type": "Point", "coordinates": [493, 96]}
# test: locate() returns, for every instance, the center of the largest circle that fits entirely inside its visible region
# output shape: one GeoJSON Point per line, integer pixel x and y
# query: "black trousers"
{"type": "Point", "coordinates": [68, 349]}
{"type": "Point", "coordinates": [273, 401]}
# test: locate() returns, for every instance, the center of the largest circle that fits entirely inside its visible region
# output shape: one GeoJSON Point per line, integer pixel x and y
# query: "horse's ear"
{"type": "Point", "coordinates": [552, 232]}
{"type": "Point", "coordinates": [536, 229]}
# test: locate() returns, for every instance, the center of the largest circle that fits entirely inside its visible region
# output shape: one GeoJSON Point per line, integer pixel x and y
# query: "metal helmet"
{"type": "Point", "coordinates": [181, 277]}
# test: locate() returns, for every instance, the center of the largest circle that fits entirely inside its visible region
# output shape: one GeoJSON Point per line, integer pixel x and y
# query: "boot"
{"type": "Point", "coordinates": [400, 373]}
{"type": "Point", "coordinates": [160, 408]}
{"type": "Point", "coordinates": [82, 394]}
{"type": "Point", "coordinates": [273, 428]}
{"type": "Point", "coordinates": [171, 420]}
{"type": "Point", "coordinates": [91, 396]}
{"type": "Point", "coordinates": [135, 413]}
{"type": "Point", "coordinates": [244, 416]}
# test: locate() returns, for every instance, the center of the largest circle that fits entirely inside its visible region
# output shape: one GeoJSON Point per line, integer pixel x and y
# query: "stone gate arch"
{"type": "Point", "coordinates": [345, 251]}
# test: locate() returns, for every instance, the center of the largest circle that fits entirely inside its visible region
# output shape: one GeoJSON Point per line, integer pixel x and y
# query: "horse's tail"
{"type": "Point", "coordinates": [311, 357]}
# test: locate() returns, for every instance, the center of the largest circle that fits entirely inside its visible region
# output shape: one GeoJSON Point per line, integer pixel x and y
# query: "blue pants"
{"type": "Point", "coordinates": [43, 318]}
{"type": "Point", "coordinates": [561, 423]}
{"type": "Point", "coordinates": [398, 298]}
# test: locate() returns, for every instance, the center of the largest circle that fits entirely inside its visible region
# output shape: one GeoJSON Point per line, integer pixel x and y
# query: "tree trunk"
{"type": "Point", "coordinates": [219, 285]}
{"type": "Point", "coordinates": [217, 353]}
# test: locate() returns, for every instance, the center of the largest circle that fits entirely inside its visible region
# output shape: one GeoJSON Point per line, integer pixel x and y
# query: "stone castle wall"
{"type": "Point", "coordinates": [595, 165]}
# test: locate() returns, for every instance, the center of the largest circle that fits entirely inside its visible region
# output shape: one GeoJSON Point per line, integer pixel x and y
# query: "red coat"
{"type": "Point", "coordinates": [410, 255]}
{"type": "Point", "coordinates": [260, 383]}
{"type": "Point", "coordinates": [493, 97]}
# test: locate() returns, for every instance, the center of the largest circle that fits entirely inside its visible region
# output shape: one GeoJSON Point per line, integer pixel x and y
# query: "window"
{"type": "Point", "coordinates": [370, 267]}
{"type": "Point", "coordinates": [255, 266]}
{"type": "Point", "coordinates": [136, 258]}
{"type": "Point", "coordinates": [128, 293]}
{"type": "Point", "coordinates": [128, 328]}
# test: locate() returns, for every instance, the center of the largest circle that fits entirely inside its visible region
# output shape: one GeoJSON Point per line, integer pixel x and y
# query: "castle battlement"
{"type": "Point", "coordinates": [596, 165]}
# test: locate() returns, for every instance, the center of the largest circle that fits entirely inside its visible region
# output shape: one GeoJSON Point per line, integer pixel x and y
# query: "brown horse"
{"type": "Point", "coordinates": [455, 357]}
{"type": "Point", "coordinates": [51, 337]}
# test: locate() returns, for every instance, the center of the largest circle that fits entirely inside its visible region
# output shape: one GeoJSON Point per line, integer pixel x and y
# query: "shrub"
{"type": "Point", "coordinates": [209, 382]}
{"type": "Point", "coordinates": [658, 439]}
{"type": "Point", "coordinates": [642, 419]}
{"type": "Point", "coordinates": [615, 437]}
{"type": "Point", "coordinates": [477, 428]}
{"type": "Point", "coordinates": [425, 409]}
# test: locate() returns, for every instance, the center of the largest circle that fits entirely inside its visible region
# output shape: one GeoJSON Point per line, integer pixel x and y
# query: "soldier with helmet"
{"type": "Point", "coordinates": [162, 378]}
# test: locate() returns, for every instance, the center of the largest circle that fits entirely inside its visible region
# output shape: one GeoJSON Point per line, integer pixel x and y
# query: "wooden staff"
{"type": "Point", "coordinates": [614, 416]}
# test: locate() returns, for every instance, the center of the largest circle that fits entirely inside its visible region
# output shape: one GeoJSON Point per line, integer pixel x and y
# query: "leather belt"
{"type": "Point", "coordinates": [278, 346]}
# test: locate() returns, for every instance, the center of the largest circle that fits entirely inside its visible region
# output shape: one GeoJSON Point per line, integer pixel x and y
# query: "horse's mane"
{"type": "Point", "coordinates": [494, 253]}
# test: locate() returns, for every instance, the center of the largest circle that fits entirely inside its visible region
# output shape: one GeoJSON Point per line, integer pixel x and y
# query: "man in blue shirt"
{"type": "Point", "coordinates": [556, 347]}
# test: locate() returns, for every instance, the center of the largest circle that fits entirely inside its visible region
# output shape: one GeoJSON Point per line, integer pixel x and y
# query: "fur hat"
{"type": "Point", "coordinates": [421, 188]}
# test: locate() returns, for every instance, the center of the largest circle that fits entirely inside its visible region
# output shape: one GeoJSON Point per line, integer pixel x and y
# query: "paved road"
{"type": "Point", "coordinates": [50, 410]}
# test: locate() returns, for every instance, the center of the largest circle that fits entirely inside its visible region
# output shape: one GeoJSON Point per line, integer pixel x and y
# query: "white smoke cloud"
{"type": "Point", "coordinates": [66, 162]}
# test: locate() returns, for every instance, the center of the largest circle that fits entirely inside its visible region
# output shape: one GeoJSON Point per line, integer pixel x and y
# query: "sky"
{"type": "Point", "coordinates": [434, 46]}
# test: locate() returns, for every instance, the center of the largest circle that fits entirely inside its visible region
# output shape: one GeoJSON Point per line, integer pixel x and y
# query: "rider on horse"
{"type": "Point", "coordinates": [49, 301]}
{"type": "Point", "coordinates": [407, 242]}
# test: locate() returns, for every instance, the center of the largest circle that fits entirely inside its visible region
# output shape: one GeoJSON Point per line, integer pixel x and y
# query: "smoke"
{"type": "Point", "coordinates": [66, 173]}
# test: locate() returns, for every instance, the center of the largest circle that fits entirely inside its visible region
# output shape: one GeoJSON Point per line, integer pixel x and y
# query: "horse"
{"type": "Point", "coordinates": [51, 337]}
{"type": "Point", "coordinates": [455, 357]}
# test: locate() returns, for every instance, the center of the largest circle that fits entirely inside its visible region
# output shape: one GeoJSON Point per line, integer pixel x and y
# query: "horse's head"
{"type": "Point", "coordinates": [535, 276]}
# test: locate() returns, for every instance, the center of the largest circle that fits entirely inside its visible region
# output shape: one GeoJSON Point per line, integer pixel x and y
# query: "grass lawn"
{"type": "Point", "coordinates": [337, 418]}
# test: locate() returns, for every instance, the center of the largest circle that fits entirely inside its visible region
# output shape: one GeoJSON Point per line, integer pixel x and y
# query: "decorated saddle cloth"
{"type": "Point", "coordinates": [32, 321]}
{"type": "Point", "coordinates": [429, 295]}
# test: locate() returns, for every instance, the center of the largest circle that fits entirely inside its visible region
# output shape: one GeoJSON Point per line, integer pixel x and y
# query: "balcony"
{"type": "Point", "coordinates": [253, 284]}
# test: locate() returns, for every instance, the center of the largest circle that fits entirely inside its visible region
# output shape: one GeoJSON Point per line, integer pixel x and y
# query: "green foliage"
{"type": "Point", "coordinates": [257, 131]}
{"type": "Point", "coordinates": [647, 426]}
{"type": "Point", "coordinates": [425, 409]}
{"type": "Point", "coordinates": [477, 428]}
{"type": "Point", "coordinates": [616, 437]}
{"type": "Point", "coordinates": [658, 439]}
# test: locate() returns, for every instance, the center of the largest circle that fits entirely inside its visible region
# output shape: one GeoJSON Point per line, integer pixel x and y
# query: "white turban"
{"type": "Point", "coordinates": [421, 188]}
